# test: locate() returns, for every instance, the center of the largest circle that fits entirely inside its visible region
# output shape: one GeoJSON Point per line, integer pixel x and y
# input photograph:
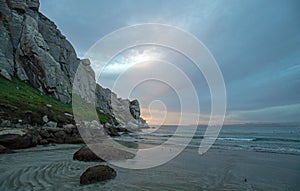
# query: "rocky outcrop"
{"type": "Point", "coordinates": [97, 174]}
{"type": "Point", "coordinates": [66, 135]}
{"type": "Point", "coordinates": [126, 112]}
{"type": "Point", "coordinates": [32, 49]}
{"type": "Point", "coordinates": [14, 138]}
{"type": "Point", "coordinates": [18, 139]}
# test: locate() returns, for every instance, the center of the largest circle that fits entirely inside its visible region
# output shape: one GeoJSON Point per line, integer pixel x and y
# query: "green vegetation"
{"type": "Point", "coordinates": [88, 111]}
{"type": "Point", "coordinates": [21, 94]}
{"type": "Point", "coordinates": [18, 100]}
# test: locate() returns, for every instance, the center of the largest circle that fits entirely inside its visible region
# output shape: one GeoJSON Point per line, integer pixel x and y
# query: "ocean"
{"type": "Point", "coordinates": [242, 158]}
{"type": "Point", "coordinates": [282, 140]}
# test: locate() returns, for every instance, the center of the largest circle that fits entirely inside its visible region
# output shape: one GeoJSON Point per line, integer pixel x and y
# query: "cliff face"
{"type": "Point", "coordinates": [32, 49]}
{"type": "Point", "coordinates": [126, 112]}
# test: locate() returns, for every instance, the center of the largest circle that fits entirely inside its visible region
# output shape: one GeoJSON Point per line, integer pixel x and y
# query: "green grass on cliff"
{"type": "Point", "coordinates": [88, 112]}
{"type": "Point", "coordinates": [18, 98]}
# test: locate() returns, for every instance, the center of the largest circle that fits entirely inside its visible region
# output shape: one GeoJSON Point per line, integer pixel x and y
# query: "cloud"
{"type": "Point", "coordinates": [256, 44]}
{"type": "Point", "coordinates": [284, 113]}
{"type": "Point", "coordinates": [132, 58]}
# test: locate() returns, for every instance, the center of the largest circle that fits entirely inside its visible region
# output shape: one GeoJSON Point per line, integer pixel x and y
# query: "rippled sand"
{"type": "Point", "coordinates": [52, 168]}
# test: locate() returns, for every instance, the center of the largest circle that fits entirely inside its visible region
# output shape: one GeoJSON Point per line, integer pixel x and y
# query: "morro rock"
{"type": "Point", "coordinates": [33, 50]}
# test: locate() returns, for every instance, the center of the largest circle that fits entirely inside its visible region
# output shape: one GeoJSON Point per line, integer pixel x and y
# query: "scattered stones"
{"type": "Point", "coordinates": [45, 118]}
{"type": "Point", "coordinates": [60, 134]}
{"type": "Point", "coordinates": [43, 142]}
{"type": "Point", "coordinates": [44, 133]}
{"type": "Point", "coordinates": [19, 138]}
{"type": "Point", "coordinates": [5, 123]}
{"type": "Point", "coordinates": [52, 124]}
{"type": "Point", "coordinates": [97, 174]}
{"type": "Point", "coordinates": [59, 137]}
{"type": "Point", "coordinates": [49, 105]}
{"type": "Point", "coordinates": [68, 115]}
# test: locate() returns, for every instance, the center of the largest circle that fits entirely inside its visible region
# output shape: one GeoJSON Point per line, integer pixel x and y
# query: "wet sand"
{"type": "Point", "coordinates": [52, 168]}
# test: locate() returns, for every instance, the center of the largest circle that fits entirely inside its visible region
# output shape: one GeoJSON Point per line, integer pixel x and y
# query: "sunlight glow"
{"type": "Point", "coordinates": [130, 58]}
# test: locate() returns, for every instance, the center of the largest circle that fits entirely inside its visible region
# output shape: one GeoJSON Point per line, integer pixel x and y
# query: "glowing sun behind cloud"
{"type": "Point", "coordinates": [132, 57]}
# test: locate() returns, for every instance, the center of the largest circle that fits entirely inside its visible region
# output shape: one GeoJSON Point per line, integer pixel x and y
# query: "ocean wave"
{"type": "Point", "coordinates": [235, 139]}
{"type": "Point", "coordinates": [172, 135]}
{"type": "Point", "coordinates": [276, 139]}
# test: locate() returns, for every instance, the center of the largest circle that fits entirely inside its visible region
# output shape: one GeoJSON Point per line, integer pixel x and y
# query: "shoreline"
{"type": "Point", "coordinates": [215, 170]}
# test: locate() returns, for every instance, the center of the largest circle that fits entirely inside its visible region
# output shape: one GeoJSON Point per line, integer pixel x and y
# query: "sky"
{"type": "Point", "coordinates": [256, 44]}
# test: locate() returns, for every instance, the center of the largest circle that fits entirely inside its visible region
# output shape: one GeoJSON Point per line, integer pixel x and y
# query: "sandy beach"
{"type": "Point", "coordinates": [52, 168]}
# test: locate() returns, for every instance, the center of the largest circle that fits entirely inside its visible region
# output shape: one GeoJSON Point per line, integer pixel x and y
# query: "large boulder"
{"type": "Point", "coordinates": [13, 138]}
{"type": "Point", "coordinates": [85, 154]}
{"type": "Point", "coordinates": [97, 174]}
{"type": "Point", "coordinates": [15, 141]}
{"type": "Point", "coordinates": [73, 139]}
{"type": "Point", "coordinates": [107, 153]}
{"type": "Point", "coordinates": [4, 150]}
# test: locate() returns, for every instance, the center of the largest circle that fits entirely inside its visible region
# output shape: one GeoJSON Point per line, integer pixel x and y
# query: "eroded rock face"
{"type": "Point", "coordinates": [97, 174]}
{"type": "Point", "coordinates": [125, 112]}
{"type": "Point", "coordinates": [33, 49]}
{"type": "Point", "coordinates": [128, 113]}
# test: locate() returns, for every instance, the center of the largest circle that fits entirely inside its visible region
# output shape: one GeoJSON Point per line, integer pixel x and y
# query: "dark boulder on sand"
{"type": "Point", "coordinates": [85, 154]}
{"type": "Point", "coordinates": [14, 141]}
{"type": "Point", "coordinates": [107, 153]}
{"type": "Point", "coordinates": [18, 139]}
{"type": "Point", "coordinates": [4, 150]}
{"type": "Point", "coordinates": [97, 174]}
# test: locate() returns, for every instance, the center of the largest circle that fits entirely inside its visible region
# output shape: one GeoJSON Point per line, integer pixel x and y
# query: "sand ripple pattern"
{"type": "Point", "coordinates": [41, 169]}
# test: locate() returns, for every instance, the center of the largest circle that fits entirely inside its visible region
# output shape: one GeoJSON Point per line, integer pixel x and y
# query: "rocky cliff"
{"type": "Point", "coordinates": [32, 49]}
